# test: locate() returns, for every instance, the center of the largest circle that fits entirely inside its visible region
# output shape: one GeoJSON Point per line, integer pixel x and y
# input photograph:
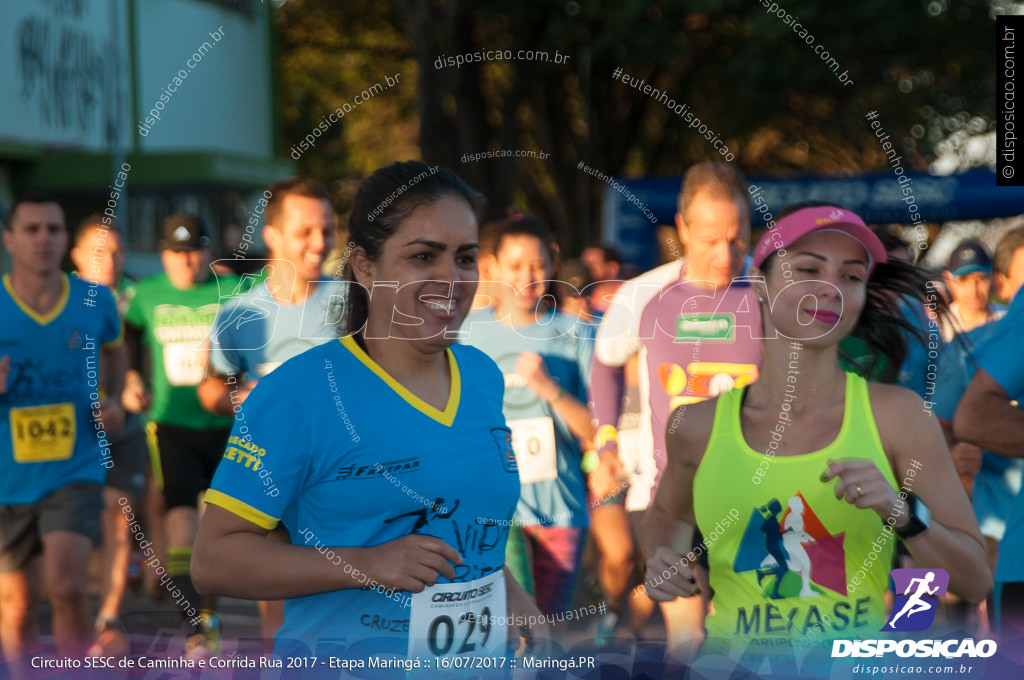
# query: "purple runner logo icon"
{"type": "Point", "coordinates": [917, 593]}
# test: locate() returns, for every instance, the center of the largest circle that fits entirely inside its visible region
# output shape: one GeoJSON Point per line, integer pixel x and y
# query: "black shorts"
{"type": "Point", "coordinates": [75, 507]}
{"type": "Point", "coordinates": [184, 461]}
{"type": "Point", "coordinates": [128, 455]}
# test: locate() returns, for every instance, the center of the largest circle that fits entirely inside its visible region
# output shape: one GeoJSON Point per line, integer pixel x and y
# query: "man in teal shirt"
{"type": "Point", "coordinates": [545, 357]}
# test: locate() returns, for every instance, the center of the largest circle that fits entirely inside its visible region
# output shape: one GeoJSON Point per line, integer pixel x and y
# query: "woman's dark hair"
{"type": "Point", "coordinates": [891, 241]}
{"type": "Point", "coordinates": [383, 200]}
{"type": "Point", "coordinates": [892, 288]}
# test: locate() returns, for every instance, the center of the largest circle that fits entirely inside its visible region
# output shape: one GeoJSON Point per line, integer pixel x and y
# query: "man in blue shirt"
{"type": "Point", "coordinates": [993, 481]}
{"type": "Point", "coordinates": [968, 278]}
{"type": "Point", "coordinates": [62, 367]}
{"type": "Point", "coordinates": [990, 417]}
{"type": "Point", "coordinates": [290, 311]}
{"type": "Point", "coordinates": [98, 256]}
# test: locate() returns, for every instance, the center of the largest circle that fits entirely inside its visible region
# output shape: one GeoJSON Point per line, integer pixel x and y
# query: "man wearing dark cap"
{"type": "Point", "coordinates": [172, 314]}
{"type": "Point", "coordinates": [994, 479]}
{"type": "Point", "coordinates": [969, 280]}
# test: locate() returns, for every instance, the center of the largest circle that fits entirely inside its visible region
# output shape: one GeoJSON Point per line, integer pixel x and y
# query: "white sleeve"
{"type": "Point", "coordinates": [618, 338]}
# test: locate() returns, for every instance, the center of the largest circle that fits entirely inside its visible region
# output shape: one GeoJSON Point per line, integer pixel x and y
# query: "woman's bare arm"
{"type": "Point", "coordinates": [234, 557]}
{"type": "Point", "coordinates": [670, 522]}
{"type": "Point", "coordinates": [922, 463]}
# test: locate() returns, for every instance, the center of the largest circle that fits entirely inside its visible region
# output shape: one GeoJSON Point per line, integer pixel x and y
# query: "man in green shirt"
{"type": "Point", "coordinates": [173, 313]}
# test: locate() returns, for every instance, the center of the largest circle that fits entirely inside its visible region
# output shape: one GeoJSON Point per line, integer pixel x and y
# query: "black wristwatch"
{"type": "Point", "coordinates": [920, 518]}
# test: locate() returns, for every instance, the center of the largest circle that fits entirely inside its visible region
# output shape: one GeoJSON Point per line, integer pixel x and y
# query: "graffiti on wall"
{"type": "Point", "coordinates": [66, 71]}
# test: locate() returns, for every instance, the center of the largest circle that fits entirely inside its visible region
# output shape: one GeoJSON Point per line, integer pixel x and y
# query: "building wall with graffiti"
{"type": "Point", "coordinates": [180, 91]}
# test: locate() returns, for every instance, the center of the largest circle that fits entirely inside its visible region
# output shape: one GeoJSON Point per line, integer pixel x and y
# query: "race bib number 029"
{"type": "Point", "coordinates": [40, 434]}
{"type": "Point", "coordinates": [460, 619]}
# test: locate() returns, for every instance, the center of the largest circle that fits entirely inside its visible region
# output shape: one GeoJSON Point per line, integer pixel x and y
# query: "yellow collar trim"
{"type": "Point", "coordinates": [446, 417]}
{"type": "Point", "coordinates": [41, 319]}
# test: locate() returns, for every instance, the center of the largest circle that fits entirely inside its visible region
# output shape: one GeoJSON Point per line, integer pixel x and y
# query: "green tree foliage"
{"type": "Point", "coordinates": [926, 67]}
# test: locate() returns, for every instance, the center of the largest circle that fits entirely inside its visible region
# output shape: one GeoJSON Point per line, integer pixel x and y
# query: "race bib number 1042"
{"type": "Point", "coordinates": [41, 434]}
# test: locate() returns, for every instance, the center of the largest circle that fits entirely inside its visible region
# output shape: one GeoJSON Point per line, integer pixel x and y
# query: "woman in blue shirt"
{"type": "Point", "coordinates": [385, 454]}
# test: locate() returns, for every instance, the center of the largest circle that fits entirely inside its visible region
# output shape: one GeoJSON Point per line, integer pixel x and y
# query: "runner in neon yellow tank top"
{"type": "Point", "coordinates": [796, 478]}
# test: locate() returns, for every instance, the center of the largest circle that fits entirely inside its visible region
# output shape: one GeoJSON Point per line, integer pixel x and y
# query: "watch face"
{"type": "Point", "coordinates": [922, 512]}
{"type": "Point", "coordinates": [920, 517]}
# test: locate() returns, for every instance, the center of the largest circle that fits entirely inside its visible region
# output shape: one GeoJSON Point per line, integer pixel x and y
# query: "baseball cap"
{"type": "Point", "coordinates": [183, 232]}
{"type": "Point", "coordinates": [969, 257]}
{"type": "Point", "coordinates": [795, 226]}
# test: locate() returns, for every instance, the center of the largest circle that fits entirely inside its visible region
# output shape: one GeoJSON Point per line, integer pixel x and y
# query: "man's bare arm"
{"type": "Point", "coordinates": [986, 418]}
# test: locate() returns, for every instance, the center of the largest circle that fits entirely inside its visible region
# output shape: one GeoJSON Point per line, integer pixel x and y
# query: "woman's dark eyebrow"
{"type": "Point", "coordinates": [825, 259]}
{"type": "Point", "coordinates": [437, 245]}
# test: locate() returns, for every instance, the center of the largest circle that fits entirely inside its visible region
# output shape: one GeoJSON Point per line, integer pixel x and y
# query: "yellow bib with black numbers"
{"type": "Point", "coordinates": [40, 434]}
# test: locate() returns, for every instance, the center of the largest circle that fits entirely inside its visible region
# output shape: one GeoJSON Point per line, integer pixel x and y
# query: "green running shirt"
{"type": "Point", "coordinates": [176, 327]}
{"type": "Point", "coordinates": [789, 563]}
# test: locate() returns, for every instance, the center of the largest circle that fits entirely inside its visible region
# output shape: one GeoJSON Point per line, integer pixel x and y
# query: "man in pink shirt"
{"type": "Point", "coordinates": [696, 326]}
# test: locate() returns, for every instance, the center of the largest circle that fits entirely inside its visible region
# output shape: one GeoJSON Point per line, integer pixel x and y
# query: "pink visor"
{"type": "Point", "coordinates": [792, 228]}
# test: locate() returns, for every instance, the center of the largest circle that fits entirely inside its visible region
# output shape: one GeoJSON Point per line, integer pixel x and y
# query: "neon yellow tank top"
{"type": "Point", "coordinates": [833, 558]}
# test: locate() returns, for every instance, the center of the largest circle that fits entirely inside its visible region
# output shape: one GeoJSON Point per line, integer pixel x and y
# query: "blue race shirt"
{"type": "Point", "coordinates": [343, 455]}
{"type": "Point", "coordinates": [913, 372]}
{"type": "Point", "coordinates": [998, 482]}
{"type": "Point", "coordinates": [254, 333]}
{"type": "Point", "coordinates": [554, 491]}
{"type": "Point", "coordinates": [48, 438]}
{"type": "Point", "coordinates": [1000, 357]}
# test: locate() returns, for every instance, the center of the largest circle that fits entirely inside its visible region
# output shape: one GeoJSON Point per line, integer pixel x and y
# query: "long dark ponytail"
{"type": "Point", "coordinates": [893, 291]}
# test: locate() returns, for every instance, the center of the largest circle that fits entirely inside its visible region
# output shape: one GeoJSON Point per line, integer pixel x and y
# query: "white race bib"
{"type": "Point", "coordinates": [264, 369]}
{"type": "Point", "coordinates": [460, 619]}
{"type": "Point", "coordinates": [629, 447]}
{"type": "Point", "coordinates": [638, 460]}
{"type": "Point", "coordinates": [533, 440]}
{"type": "Point", "coordinates": [185, 363]}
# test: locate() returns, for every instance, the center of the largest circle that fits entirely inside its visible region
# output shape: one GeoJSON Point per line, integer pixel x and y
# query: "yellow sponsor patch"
{"type": "Point", "coordinates": [244, 452]}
